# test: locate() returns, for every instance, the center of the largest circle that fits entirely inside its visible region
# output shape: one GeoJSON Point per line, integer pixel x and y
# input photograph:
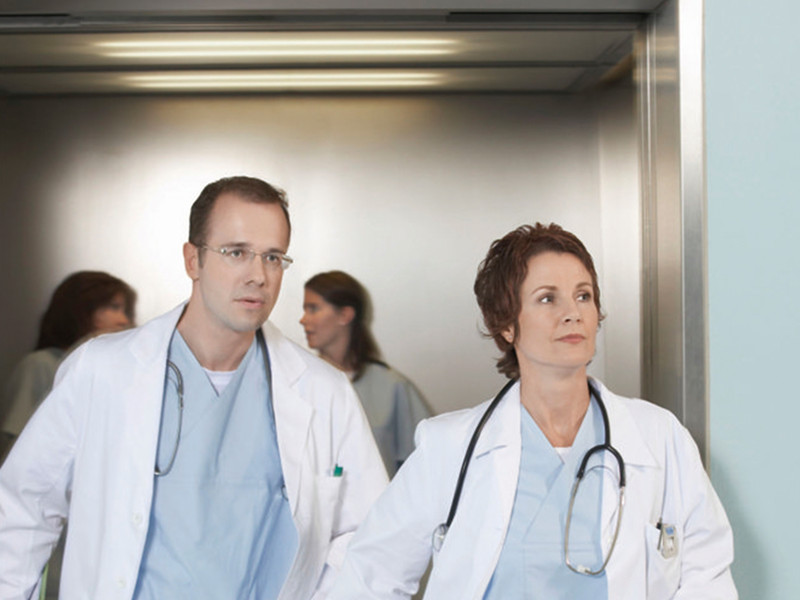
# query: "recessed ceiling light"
{"type": "Point", "coordinates": [273, 43]}
{"type": "Point", "coordinates": [283, 80]}
{"type": "Point", "coordinates": [199, 48]}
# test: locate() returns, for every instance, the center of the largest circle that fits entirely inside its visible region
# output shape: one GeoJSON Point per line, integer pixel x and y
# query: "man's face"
{"type": "Point", "coordinates": [238, 297]}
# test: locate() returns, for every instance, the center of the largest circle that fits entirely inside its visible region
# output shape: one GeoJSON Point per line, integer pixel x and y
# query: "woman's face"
{"type": "Point", "coordinates": [326, 326]}
{"type": "Point", "coordinates": [558, 318]}
{"type": "Point", "coordinates": [111, 317]}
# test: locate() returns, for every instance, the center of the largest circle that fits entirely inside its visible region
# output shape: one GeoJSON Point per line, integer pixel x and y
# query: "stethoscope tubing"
{"type": "Point", "coordinates": [462, 476]}
{"type": "Point", "coordinates": [441, 531]}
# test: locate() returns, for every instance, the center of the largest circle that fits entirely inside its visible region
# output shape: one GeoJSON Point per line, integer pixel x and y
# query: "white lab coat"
{"type": "Point", "coordinates": [665, 479]}
{"type": "Point", "coordinates": [89, 453]}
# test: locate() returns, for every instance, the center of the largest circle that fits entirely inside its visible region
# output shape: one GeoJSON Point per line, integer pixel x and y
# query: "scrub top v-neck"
{"type": "Point", "coordinates": [531, 564]}
{"type": "Point", "coordinates": [220, 524]}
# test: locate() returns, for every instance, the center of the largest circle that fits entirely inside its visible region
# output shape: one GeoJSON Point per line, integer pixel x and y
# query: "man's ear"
{"type": "Point", "coordinates": [346, 315]}
{"type": "Point", "coordinates": [191, 260]}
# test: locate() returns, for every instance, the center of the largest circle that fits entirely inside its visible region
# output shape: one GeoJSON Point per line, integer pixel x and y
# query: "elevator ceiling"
{"type": "Point", "coordinates": [312, 52]}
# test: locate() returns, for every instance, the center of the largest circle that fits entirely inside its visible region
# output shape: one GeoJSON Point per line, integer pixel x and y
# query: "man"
{"type": "Point", "coordinates": [202, 455]}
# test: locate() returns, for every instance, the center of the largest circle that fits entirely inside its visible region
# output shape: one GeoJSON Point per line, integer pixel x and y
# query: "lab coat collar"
{"type": "Point", "coordinates": [502, 428]}
{"type": "Point", "coordinates": [150, 343]}
{"type": "Point", "coordinates": [626, 436]}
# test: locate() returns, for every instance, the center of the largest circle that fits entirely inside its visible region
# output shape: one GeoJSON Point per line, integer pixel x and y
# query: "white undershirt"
{"type": "Point", "coordinates": [562, 451]}
{"type": "Point", "coordinates": [219, 379]}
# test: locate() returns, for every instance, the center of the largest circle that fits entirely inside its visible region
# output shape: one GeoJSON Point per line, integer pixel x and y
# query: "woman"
{"type": "Point", "coordinates": [335, 320]}
{"type": "Point", "coordinates": [538, 291]}
{"type": "Point", "coordinates": [85, 303]}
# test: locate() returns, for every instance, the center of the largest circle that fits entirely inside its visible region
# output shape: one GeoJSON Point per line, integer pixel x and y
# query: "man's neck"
{"type": "Point", "coordinates": [215, 348]}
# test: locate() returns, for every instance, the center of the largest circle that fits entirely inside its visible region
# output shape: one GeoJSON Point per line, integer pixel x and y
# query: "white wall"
{"type": "Point", "coordinates": [406, 193]}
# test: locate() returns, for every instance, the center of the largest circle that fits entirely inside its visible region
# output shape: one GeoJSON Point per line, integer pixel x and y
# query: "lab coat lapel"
{"type": "Point", "coordinates": [498, 453]}
{"type": "Point", "coordinates": [293, 413]}
{"type": "Point", "coordinates": [626, 437]}
{"type": "Point", "coordinates": [141, 401]}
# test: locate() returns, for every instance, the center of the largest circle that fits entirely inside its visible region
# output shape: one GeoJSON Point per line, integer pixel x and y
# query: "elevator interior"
{"type": "Point", "coordinates": [407, 139]}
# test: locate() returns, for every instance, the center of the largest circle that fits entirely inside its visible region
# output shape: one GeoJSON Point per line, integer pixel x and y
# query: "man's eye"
{"type": "Point", "coordinates": [235, 252]}
{"type": "Point", "coordinates": [273, 258]}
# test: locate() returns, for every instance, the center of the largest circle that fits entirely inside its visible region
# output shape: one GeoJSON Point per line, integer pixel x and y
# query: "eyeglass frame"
{"type": "Point", "coordinates": [224, 251]}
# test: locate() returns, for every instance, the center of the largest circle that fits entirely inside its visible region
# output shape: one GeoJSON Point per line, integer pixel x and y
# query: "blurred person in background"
{"type": "Point", "coordinates": [85, 304]}
{"type": "Point", "coordinates": [336, 314]}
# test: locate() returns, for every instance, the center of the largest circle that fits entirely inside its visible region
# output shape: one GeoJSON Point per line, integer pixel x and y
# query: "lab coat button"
{"type": "Point", "coordinates": [137, 519]}
{"type": "Point", "coordinates": [120, 582]}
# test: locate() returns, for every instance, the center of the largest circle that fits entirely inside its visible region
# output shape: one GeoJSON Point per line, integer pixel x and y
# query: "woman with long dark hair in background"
{"type": "Point", "coordinates": [336, 312]}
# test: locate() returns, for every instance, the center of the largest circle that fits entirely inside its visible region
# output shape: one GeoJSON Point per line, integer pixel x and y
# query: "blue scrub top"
{"type": "Point", "coordinates": [220, 524]}
{"type": "Point", "coordinates": [531, 564]}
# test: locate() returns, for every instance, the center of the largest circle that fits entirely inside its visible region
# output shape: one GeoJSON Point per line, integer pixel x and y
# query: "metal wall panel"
{"type": "Point", "coordinates": [405, 192]}
{"type": "Point", "coordinates": [674, 252]}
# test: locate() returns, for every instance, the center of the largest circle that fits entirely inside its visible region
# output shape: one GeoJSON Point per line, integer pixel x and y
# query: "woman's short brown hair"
{"type": "Point", "coordinates": [501, 273]}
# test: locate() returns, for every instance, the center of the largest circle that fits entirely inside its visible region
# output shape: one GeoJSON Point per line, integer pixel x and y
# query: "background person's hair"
{"type": "Point", "coordinates": [69, 315]}
{"type": "Point", "coordinates": [340, 289]}
{"type": "Point", "coordinates": [250, 189]}
{"type": "Point", "coordinates": [501, 274]}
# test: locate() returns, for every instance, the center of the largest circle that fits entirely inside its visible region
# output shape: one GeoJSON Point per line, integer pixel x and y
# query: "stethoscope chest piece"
{"type": "Point", "coordinates": [437, 539]}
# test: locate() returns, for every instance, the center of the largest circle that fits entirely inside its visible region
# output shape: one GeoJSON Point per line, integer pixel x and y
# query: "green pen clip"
{"type": "Point", "coordinates": [337, 471]}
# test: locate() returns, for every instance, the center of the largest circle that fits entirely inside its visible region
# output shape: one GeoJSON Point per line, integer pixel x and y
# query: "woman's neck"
{"type": "Point", "coordinates": [557, 404]}
{"type": "Point", "coordinates": [336, 353]}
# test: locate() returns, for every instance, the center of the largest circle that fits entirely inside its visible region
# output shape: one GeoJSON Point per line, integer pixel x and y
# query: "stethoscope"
{"type": "Point", "coordinates": [440, 532]}
{"type": "Point", "coordinates": [171, 366]}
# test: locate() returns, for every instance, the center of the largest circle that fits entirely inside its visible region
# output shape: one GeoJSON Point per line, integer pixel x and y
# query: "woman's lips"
{"type": "Point", "coordinates": [573, 338]}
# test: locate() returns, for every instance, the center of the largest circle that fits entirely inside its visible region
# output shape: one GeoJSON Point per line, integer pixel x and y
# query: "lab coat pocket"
{"type": "Point", "coordinates": [328, 499]}
{"type": "Point", "coordinates": [663, 573]}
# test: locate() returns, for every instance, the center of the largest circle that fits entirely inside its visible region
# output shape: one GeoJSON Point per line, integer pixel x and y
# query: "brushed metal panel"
{"type": "Point", "coordinates": [674, 251]}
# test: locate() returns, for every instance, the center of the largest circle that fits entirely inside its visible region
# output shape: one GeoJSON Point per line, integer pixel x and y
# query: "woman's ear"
{"type": "Point", "coordinates": [508, 334]}
{"type": "Point", "coordinates": [346, 315]}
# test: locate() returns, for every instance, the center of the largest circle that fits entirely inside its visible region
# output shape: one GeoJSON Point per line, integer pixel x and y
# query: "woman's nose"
{"type": "Point", "coordinates": [572, 312]}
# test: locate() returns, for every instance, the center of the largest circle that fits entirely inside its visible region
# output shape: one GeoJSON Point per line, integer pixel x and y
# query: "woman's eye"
{"type": "Point", "coordinates": [584, 296]}
{"type": "Point", "coordinates": [548, 299]}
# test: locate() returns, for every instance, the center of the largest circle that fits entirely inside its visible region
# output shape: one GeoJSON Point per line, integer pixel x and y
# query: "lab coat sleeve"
{"type": "Point", "coordinates": [35, 483]}
{"type": "Point", "coordinates": [389, 553]}
{"type": "Point", "coordinates": [362, 481]}
{"type": "Point", "coordinates": [707, 537]}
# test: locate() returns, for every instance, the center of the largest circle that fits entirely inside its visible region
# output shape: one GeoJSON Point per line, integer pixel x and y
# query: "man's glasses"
{"type": "Point", "coordinates": [239, 257]}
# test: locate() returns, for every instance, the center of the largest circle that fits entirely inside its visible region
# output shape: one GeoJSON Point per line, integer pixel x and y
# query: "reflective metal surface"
{"type": "Point", "coordinates": [673, 184]}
